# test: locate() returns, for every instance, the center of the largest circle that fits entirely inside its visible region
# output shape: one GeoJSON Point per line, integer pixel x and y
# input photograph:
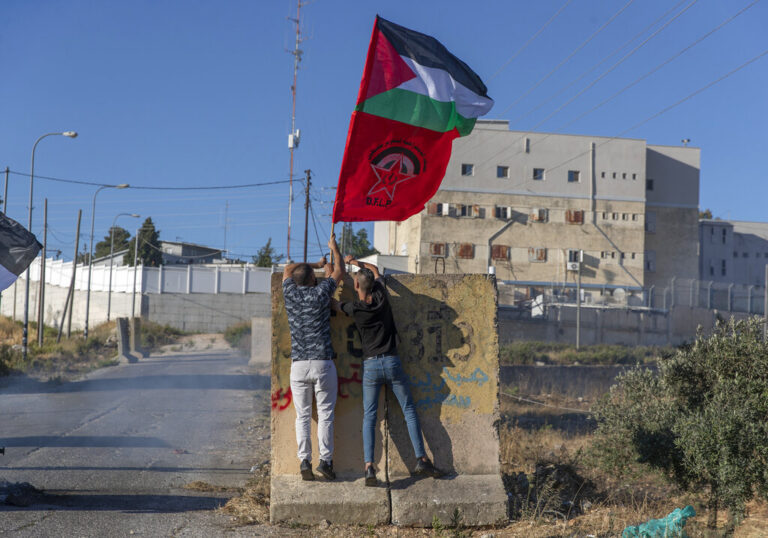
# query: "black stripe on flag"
{"type": "Point", "coordinates": [18, 246]}
{"type": "Point", "coordinates": [429, 52]}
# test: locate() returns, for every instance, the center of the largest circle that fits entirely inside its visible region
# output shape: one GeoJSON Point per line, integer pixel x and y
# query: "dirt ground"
{"type": "Point", "coordinates": [196, 343]}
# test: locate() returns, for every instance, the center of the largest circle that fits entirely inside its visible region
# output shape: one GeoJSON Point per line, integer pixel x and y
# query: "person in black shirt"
{"type": "Point", "coordinates": [373, 318]}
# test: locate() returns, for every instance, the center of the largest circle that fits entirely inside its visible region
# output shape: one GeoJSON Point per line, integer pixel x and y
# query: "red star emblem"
{"type": "Point", "coordinates": [390, 177]}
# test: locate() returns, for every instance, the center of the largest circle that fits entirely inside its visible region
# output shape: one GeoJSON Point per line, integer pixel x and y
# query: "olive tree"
{"type": "Point", "coordinates": [702, 418]}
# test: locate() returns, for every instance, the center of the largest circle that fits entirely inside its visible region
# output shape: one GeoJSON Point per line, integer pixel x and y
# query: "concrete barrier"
{"type": "Point", "coordinates": [123, 341]}
{"type": "Point", "coordinates": [449, 348]}
{"type": "Point", "coordinates": [135, 336]}
{"type": "Point", "coordinates": [261, 341]}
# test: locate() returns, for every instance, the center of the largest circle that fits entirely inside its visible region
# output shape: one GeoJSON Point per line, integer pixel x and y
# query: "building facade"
{"type": "Point", "coordinates": [523, 204]}
{"type": "Point", "coordinates": [734, 252]}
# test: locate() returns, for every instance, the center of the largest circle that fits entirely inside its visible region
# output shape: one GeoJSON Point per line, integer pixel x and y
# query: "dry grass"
{"type": "Point", "coordinates": [252, 506]}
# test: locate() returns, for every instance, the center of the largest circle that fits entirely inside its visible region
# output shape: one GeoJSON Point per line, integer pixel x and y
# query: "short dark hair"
{"type": "Point", "coordinates": [365, 279]}
{"type": "Point", "coordinates": [303, 274]}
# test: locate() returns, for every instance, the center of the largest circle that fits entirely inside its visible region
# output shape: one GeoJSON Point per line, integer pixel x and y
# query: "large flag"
{"type": "Point", "coordinates": [18, 247]}
{"type": "Point", "coordinates": [414, 99]}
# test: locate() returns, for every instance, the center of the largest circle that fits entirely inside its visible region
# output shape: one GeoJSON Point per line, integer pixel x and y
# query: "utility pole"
{"type": "Point", "coordinates": [41, 302]}
{"type": "Point", "coordinates": [306, 210]}
{"type": "Point", "coordinates": [5, 192]}
{"type": "Point", "coordinates": [70, 294]}
{"type": "Point", "coordinates": [226, 217]}
{"type": "Point", "coordinates": [293, 138]}
{"type": "Point", "coordinates": [578, 304]}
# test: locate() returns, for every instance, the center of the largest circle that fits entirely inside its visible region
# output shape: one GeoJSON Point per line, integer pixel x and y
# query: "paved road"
{"type": "Point", "coordinates": [113, 451]}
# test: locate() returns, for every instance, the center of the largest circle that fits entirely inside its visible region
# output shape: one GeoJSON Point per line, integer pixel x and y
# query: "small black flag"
{"type": "Point", "coordinates": [18, 247]}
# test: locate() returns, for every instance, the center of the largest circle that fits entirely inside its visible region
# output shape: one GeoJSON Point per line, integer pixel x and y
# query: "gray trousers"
{"type": "Point", "coordinates": [316, 377]}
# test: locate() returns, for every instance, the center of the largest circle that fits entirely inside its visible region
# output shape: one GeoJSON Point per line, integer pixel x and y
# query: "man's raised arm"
{"type": "Point", "coordinates": [352, 261]}
{"type": "Point", "coordinates": [338, 262]}
{"type": "Point", "coordinates": [290, 268]}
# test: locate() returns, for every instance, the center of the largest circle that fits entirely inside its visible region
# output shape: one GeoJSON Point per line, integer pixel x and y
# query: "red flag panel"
{"type": "Point", "coordinates": [390, 169]}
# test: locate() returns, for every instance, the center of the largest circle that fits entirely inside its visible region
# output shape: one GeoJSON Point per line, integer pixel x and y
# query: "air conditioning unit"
{"type": "Point", "coordinates": [572, 266]}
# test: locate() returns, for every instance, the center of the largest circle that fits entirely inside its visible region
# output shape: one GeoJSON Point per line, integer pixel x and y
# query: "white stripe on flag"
{"type": "Point", "coordinates": [6, 278]}
{"type": "Point", "coordinates": [440, 86]}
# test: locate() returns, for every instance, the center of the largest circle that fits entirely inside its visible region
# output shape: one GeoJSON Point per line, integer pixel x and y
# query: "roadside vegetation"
{"type": "Point", "coordinates": [71, 356]}
{"type": "Point", "coordinates": [567, 354]}
{"type": "Point", "coordinates": [239, 337]}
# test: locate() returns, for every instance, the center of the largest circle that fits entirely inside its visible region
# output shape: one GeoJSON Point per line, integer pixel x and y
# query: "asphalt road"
{"type": "Point", "coordinates": [113, 451]}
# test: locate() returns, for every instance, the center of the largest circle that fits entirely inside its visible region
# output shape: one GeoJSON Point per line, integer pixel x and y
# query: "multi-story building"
{"type": "Point", "coordinates": [732, 251]}
{"type": "Point", "coordinates": [523, 204]}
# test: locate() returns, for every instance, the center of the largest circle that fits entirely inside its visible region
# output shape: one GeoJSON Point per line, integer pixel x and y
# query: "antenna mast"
{"type": "Point", "coordinates": [293, 138]}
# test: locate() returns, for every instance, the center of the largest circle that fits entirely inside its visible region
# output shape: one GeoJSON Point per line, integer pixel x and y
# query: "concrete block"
{"type": "Point", "coordinates": [479, 499]}
{"type": "Point", "coordinates": [261, 340]}
{"type": "Point", "coordinates": [123, 343]}
{"type": "Point", "coordinates": [134, 326]}
{"type": "Point", "coordinates": [343, 501]}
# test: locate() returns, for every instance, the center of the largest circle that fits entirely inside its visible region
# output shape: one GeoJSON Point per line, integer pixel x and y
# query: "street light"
{"type": "Point", "coordinates": [90, 252]}
{"type": "Point", "coordinates": [68, 134]}
{"type": "Point", "coordinates": [111, 250]}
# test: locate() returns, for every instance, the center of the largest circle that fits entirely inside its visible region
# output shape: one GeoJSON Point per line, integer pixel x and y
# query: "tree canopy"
{"type": "Point", "coordinates": [267, 256]}
{"type": "Point", "coordinates": [150, 253]}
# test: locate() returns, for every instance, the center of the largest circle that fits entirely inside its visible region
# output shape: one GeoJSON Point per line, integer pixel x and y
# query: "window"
{"type": "Point", "coordinates": [633, 256]}
{"type": "Point", "coordinates": [466, 251]}
{"type": "Point", "coordinates": [467, 210]}
{"type": "Point", "coordinates": [649, 184]}
{"type": "Point", "coordinates": [735, 254]}
{"type": "Point", "coordinates": [504, 213]}
{"type": "Point", "coordinates": [614, 175]}
{"type": "Point", "coordinates": [537, 255]}
{"type": "Point", "coordinates": [502, 172]}
{"type": "Point", "coordinates": [602, 254]}
{"type": "Point", "coordinates": [615, 216]}
{"type": "Point", "coordinates": [538, 215]}
{"type": "Point", "coordinates": [527, 145]}
{"type": "Point", "coordinates": [635, 216]}
{"type": "Point", "coordinates": [467, 169]}
{"type": "Point", "coordinates": [574, 216]}
{"type": "Point", "coordinates": [745, 254]}
{"type": "Point", "coordinates": [613, 255]}
{"type": "Point", "coordinates": [624, 216]}
{"type": "Point", "coordinates": [711, 269]}
{"type": "Point", "coordinates": [634, 176]}
{"type": "Point", "coordinates": [725, 233]}
{"type": "Point", "coordinates": [624, 175]}
{"type": "Point", "coordinates": [605, 215]}
{"type": "Point", "coordinates": [438, 250]}
{"type": "Point", "coordinates": [722, 267]}
{"type": "Point", "coordinates": [573, 176]}
{"type": "Point", "coordinates": [434, 209]}
{"type": "Point", "coordinates": [538, 174]}
{"type": "Point", "coordinates": [602, 174]}
{"type": "Point", "coordinates": [500, 252]}
{"type": "Point", "coordinates": [650, 261]}
{"type": "Point", "coordinates": [650, 222]}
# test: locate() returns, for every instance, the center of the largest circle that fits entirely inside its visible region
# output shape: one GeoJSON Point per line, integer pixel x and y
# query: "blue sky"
{"type": "Point", "coordinates": [197, 93]}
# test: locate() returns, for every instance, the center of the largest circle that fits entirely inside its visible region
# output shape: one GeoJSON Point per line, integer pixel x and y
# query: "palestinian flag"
{"type": "Point", "coordinates": [414, 99]}
{"type": "Point", "coordinates": [18, 247]}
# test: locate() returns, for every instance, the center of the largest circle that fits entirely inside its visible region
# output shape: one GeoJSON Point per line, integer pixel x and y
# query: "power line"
{"type": "Point", "coordinates": [668, 108]}
{"type": "Point", "coordinates": [567, 58]}
{"type": "Point", "coordinates": [530, 40]}
{"type": "Point", "coordinates": [595, 66]}
{"type": "Point", "coordinates": [647, 74]}
{"type": "Point", "coordinates": [142, 187]}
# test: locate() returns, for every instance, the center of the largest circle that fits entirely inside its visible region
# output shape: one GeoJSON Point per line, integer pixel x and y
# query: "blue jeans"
{"type": "Point", "coordinates": [377, 372]}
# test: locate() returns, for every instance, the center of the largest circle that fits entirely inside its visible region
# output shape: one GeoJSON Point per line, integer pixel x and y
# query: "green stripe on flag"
{"type": "Point", "coordinates": [418, 110]}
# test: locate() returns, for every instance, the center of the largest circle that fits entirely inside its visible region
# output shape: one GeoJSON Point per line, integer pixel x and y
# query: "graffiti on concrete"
{"type": "Point", "coordinates": [350, 385]}
{"type": "Point", "coordinates": [279, 395]}
{"type": "Point", "coordinates": [437, 392]}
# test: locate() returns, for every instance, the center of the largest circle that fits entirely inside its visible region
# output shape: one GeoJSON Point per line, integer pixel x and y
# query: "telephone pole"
{"type": "Point", "coordinates": [293, 138]}
{"type": "Point", "coordinates": [306, 210]}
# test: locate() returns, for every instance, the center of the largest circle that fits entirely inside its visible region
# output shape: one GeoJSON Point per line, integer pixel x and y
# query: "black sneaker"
{"type": "Point", "coordinates": [425, 468]}
{"type": "Point", "coordinates": [370, 477]}
{"type": "Point", "coordinates": [325, 468]}
{"type": "Point", "coordinates": [306, 470]}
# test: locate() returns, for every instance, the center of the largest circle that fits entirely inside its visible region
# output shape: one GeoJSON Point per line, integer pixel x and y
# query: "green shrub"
{"type": "Point", "coordinates": [702, 420]}
{"type": "Point", "coordinates": [560, 353]}
{"type": "Point", "coordinates": [154, 335]}
{"type": "Point", "coordinates": [239, 336]}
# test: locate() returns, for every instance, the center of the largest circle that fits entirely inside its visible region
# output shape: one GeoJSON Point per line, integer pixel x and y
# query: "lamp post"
{"type": "Point", "coordinates": [111, 251]}
{"type": "Point", "coordinates": [68, 134]}
{"type": "Point", "coordinates": [90, 253]}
